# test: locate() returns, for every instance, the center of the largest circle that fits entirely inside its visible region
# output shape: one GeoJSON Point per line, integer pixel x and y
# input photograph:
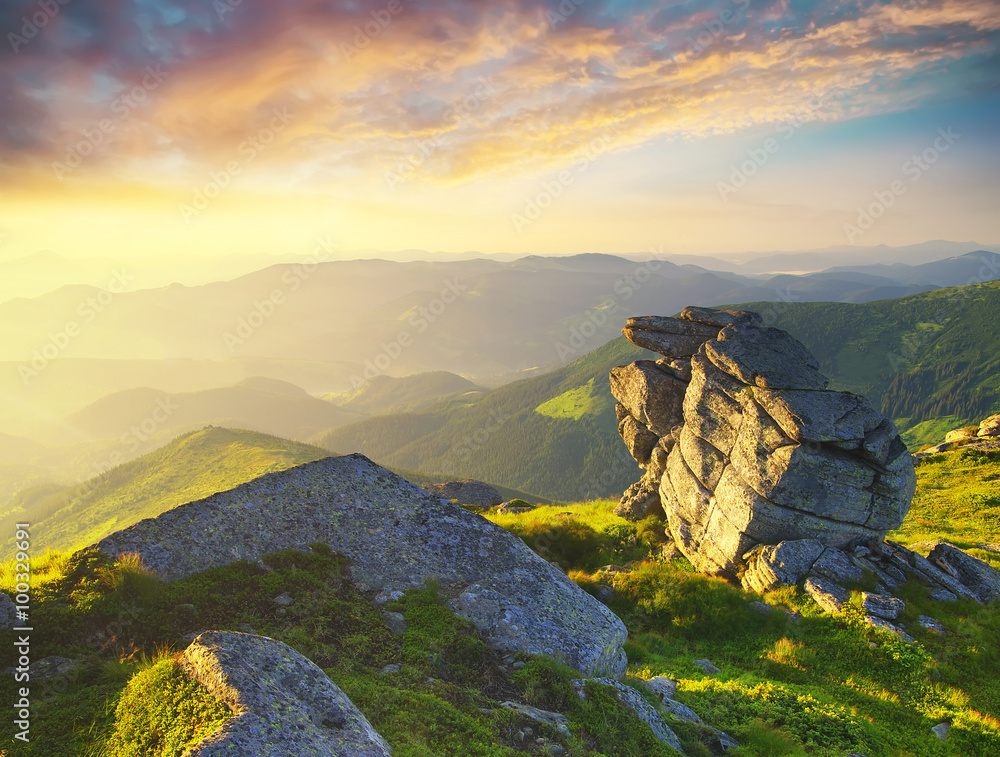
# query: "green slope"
{"type": "Point", "coordinates": [554, 435]}
{"type": "Point", "coordinates": [191, 467]}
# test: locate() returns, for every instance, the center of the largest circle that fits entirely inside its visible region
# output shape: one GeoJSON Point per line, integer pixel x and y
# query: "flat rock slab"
{"type": "Point", "coordinates": [397, 536]}
{"type": "Point", "coordinates": [982, 579]}
{"type": "Point", "coordinates": [283, 704]}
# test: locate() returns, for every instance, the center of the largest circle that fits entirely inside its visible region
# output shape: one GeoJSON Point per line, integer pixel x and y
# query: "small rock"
{"type": "Point", "coordinates": [551, 719]}
{"type": "Point", "coordinates": [396, 622]}
{"type": "Point", "coordinates": [663, 687]}
{"type": "Point", "coordinates": [942, 595]}
{"type": "Point", "coordinates": [634, 701]}
{"type": "Point", "coordinates": [980, 577]}
{"type": "Point", "coordinates": [827, 594]}
{"type": "Point", "coordinates": [884, 625]}
{"type": "Point", "coordinates": [682, 712]}
{"type": "Point", "coordinates": [187, 609]}
{"type": "Point", "coordinates": [393, 667]}
{"type": "Point", "coordinates": [882, 606]}
{"type": "Point", "coordinates": [724, 742]}
{"type": "Point", "coordinates": [283, 600]}
{"type": "Point", "coordinates": [932, 625]}
{"type": "Point", "coordinates": [708, 667]}
{"type": "Point", "coordinates": [941, 730]}
{"type": "Point", "coordinates": [760, 608]}
{"type": "Point", "coordinates": [556, 750]}
{"type": "Point", "coordinates": [387, 595]}
{"type": "Point", "coordinates": [518, 665]}
{"type": "Point", "coordinates": [51, 667]}
{"type": "Point", "coordinates": [604, 593]}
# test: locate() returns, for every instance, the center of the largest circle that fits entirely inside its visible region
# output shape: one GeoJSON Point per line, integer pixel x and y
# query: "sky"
{"type": "Point", "coordinates": [138, 128]}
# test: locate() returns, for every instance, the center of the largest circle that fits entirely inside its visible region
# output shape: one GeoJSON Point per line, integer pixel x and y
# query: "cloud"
{"type": "Point", "coordinates": [473, 90]}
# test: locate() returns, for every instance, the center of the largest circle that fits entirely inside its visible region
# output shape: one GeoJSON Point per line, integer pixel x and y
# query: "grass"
{"type": "Point", "coordinates": [820, 685]}
{"type": "Point", "coordinates": [574, 404]}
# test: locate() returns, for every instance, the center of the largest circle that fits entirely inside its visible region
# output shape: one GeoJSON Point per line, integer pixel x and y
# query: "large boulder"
{"type": "Point", "coordinates": [397, 536]}
{"type": "Point", "coordinates": [282, 703]}
{"type": "Point", "coordinates": [761, 452]}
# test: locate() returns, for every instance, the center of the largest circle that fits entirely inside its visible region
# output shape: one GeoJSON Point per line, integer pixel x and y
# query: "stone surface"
{"type": "Point", "coordinates": [634, 701]}
{"type": "Point", "coordinates": [282, 703]}
{"type": "Point", "coordinates": [651, 396]}
{"type": "Point", "coordinates": [396, 622]}
{"type": "Point", "coordinates": [884, 625]}
{"type": "Point", "coordinates": [681, 711]}
{"type": "Point", "coordinates": [763, 453]}
{"type": "Point", "coordinates": [663, 687]}
{"type": "Point", "coordinates": [708, 667]}
{"type": "Point", "coordinates": [836, 565]}
{"type": "Point", "coordinates": [828, 594]}
{"type": "Point", "coordinates": [973, 573]}
{"type": "Point", "coordinates": [397, 536]}
{"type": "Point", "coordinates": [882, 606]}
{"type": "Point", "coordinates": [780, 565]}
{"type": "Point", "coordinates": [467, 492]}
{"type": "Point", "coordinates": [639, 439]}
{"type": "Point", "coordinates": [941, 730]}
{"type": "Point", "coordinates": [932, 625]}
{"type": "Point", "coordinates": [552, 719]}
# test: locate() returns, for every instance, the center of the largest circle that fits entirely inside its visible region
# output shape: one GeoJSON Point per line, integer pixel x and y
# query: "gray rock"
{"type": "Point", "coordinates": [681, 712]}
{"type": "Point", "coordinates": [960, 435]}
{"type": "Point", "coordinates": [720, 318]}
{"type": "Point", "coordinates": [278, 697]}
{"type": "Point", "coordinates": [672, 345]}
{"type": "Point", "coordinates": [836, 565]}
{"type": "Point", "coordinates": [641, 499]}
{"type": "Point", "coordinates": [8, 612]}
{"type": "Point", "coordinates": [393, 667]}
{"type": "Point", "coordinates": [651, 396]}
{"type": "Point", "coordinates": [882, 606]}
{"type": "Point", "coordinates": [283, 600]}
{"type": "Point", "coordinates": [639, 439]}
{"type": "Point", "coordinates": [764, 453]}
{"type": "Point", "coordinates": [932, 625]}
{"type": "Point", "coordinates": [663, 687]}
{"type": "Point", "coordinates": [765, 357]}
{"type": "Point", "coordinates": [51, 667]}
{"type": "Point", "coordinates": [467, 492]}
{"type": "Point", "coordinates": [979, 577]}
{"type": "Point", "coordinates": [942, 595]}
{"type": "Point", "coordinates": [824, 416]}
{"type": "Point", "coordinates": [708, 667]}
{"type": "Point", "coordinates": [941, 730]}
{"type": "Point", "coordinates": [396, 622]}
{"type": "Point", "coordinates": [761, 609]}
{"type": "Point", "coordinates": [723, 742]}
{"type": "Point", "coordinates": [396, 536]}
{"type": "Point", "coordinates": [884, 625]}
{"type": "Point", "coordinates": [551, 719]}
{"type": "Point", "coordinates": [780, 565]}
{"type": "Point", "coordinates": [634, 701]}
{"type": "Point", "coordinates": [829, 595]}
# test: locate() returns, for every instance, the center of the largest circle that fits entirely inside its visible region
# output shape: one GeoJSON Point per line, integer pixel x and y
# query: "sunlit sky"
{"type": "Point", "coordinates": [140, 128]}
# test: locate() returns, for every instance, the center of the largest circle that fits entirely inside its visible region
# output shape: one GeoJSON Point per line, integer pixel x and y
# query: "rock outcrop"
{"type": "Point", "coordinates": [743, 444]}
{"type": "Point", "coordinates": [397, 536]}
{"type": "Point", "coordinates": [282, 703]}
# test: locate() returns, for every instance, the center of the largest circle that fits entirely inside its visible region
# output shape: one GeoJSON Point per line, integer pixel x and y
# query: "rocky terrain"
{"type": "Point", "coordinates": [768, 477]}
